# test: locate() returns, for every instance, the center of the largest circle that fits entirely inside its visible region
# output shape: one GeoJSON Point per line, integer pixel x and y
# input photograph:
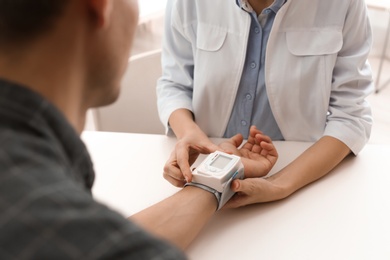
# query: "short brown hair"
{"type": "Point", "coordinates": [22, 20]}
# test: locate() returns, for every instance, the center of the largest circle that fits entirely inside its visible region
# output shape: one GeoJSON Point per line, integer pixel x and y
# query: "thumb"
{"type": "Point", "coordinates": [236, 185]}
{"type": "Point", "coordinates": [236, 140]}
{"type": "Point", "coordinates": [245, 186]}
{"type": "Point", "coordinates": [226, 145]}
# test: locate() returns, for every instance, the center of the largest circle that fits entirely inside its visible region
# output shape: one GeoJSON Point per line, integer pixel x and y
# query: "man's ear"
{"type": "Point", "coordinates": [101, 11]}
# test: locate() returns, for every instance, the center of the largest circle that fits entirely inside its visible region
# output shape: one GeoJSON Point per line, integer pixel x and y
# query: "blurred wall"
{"type": "Point", "coordinates": [379, 22]}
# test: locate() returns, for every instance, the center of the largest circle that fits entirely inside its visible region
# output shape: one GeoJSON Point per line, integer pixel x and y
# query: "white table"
{"type": "Point", "coordinates": [345, 215]}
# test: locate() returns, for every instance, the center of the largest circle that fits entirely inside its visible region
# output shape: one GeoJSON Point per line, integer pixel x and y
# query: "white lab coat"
{"type": "Point", "coordinates": [317, 74]}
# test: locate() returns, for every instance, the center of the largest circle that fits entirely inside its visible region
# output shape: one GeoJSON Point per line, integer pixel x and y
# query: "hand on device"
{"type": "Point", "coordinates": [177, 169]}
{"type": "Point", "coordinates": [255, 190]}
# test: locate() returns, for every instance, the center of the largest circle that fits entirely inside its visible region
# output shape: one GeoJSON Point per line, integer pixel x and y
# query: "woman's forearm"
{"type": "Point", "coordinates": [311, 165]}
{"type": "Point", "coordinates": [182, 121]}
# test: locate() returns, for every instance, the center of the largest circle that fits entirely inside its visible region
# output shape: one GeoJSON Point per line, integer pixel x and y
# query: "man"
{"type": "Point", "coordinates": [57, 59]}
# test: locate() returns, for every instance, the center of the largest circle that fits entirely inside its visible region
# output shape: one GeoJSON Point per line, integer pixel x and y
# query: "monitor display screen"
{"type": "Point", "coordinates": [221, 162]}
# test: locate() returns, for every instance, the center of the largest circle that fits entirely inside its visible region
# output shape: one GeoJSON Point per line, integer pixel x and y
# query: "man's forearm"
{"type": "Point", "coordinates": [180, 217]}
{"type": "Point", "coordinates": [311, 165]}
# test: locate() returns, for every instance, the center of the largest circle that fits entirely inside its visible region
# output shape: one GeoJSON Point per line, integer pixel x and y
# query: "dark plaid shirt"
{"type": "Point", "coordinates": [46, 207]}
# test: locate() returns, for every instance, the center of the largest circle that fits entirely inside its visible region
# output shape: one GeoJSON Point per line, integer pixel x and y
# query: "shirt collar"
{"type": "Point", "coordinates": [277, 5]}
{"type": "Point", "coordinates": [244, 4]}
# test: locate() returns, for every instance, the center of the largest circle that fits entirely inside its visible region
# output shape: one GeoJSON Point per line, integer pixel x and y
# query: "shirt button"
{"type": "Point", "coordinates": [267, 11]}
{"type": "Point", "coordinates": [257, 30]}
{"type": "Point", "coordinates": [248, 96]}
{"type": "Point", "coordinates": [243, 122]}
{"type": "Point", "coordinates": [253, 65]}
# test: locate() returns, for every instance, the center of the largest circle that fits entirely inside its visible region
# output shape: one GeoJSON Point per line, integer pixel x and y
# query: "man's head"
{"type": "Point", "coordinates": [74, 52]}
{"type": "Point", "coordinates": [111, 37]}
{"type": "Point", "coordinates": [23, 20]}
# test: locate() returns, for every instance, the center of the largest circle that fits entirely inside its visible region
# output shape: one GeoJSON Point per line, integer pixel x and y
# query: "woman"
{"type": "Point", "coordinates": [296, 69]}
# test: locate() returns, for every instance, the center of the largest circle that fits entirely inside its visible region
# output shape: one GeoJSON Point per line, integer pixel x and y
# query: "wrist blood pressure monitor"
{"type": "Point", "coordinates": [216, 173]}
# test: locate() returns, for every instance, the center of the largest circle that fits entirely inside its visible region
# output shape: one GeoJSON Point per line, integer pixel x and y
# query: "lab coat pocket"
{"type": "Point", "coordinates": [313, 54]}
{"type": "Point", "coordinates": [210, 37]}
{"type": "Point", "coordinates": [314, 42]}
{"type": "Point", "coordinates": [210, 56]}
{"type": "Point", "coordinates": [312, 58]}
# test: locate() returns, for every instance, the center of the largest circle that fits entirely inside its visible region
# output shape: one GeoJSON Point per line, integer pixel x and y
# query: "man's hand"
{"type": "Point", "coordinates": [258, 154]}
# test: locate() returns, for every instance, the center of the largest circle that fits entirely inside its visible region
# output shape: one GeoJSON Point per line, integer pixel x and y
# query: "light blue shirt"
{"type": "Point", "coordinates": [251, 106]}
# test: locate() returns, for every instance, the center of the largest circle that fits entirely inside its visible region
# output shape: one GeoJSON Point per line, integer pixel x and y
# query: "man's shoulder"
{"type": "Point", "coordinates": [54, 214]}
{"type": "Point", "coordinates": [27, 150]}
{"type": "Point", "coordinates": [27, 165]}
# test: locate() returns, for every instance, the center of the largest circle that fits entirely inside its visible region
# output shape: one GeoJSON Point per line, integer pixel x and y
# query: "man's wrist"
{"type": "Point", "coordinates": [216, 194]}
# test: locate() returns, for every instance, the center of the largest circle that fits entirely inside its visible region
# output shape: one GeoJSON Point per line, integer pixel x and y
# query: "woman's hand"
{"type": "Point", "coordinates": [255, 190]}
{"type": "Point", "coordinates": [177, 169]}
{"type": "Point", "coordinates": [258, 155]}
{"type": "Point", "coordinates": [312, 164]}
